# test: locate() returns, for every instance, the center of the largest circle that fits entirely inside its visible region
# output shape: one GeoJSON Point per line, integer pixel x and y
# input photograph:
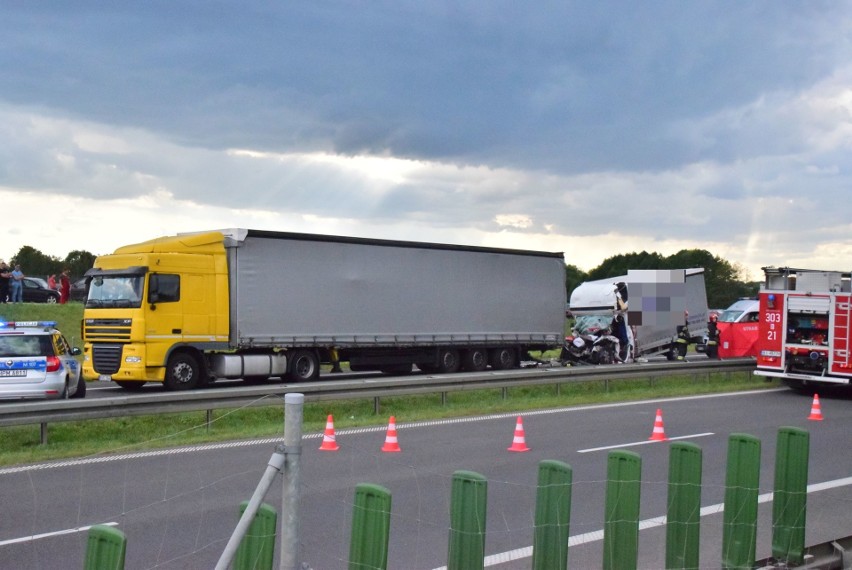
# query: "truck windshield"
{"type": "Point", "coordinates": [116, 291]}
{"type": "Point", "coordinates": [592, 324]}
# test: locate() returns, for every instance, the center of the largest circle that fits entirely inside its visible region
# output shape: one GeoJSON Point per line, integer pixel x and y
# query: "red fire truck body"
{"type": "Point", "coordinates": [805, 334]}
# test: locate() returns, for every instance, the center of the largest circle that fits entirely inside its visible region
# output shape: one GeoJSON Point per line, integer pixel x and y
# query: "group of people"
{"type": "Point", "coordinates": [12, 286]}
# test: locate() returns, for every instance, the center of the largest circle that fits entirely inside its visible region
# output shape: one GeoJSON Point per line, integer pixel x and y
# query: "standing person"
{"type": "Point", "coordinates": [5, 276]}
{"type": "Point", "coordinates": [713, 336]}
{"type": "Point", "coordinates": [64, 286]}
{"type": "Point", "coordinates": [51, 281]}
{"type": "Point", "coordinates": [682, 341]}
{"type": "Point", "coordinates": [17, 285]}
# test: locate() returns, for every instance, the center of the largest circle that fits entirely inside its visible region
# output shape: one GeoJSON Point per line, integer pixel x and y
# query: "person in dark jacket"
{"type": "Point", "coordinates": [5, 275]}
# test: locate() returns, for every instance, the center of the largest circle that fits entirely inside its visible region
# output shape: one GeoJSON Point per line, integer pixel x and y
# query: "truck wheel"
{"type": "Point", "coordinates": [475, 360]}
{"type": "Point", "coordinates": [130, 386]}
{"type": "Point", "coordinates": [502, 358]}
{"type": "Point", "coordinates": [182, 372]}
{"type": "Point", "coordinates": [448, 360]}
{"type": "Point", "coordinates": [304, 365]}
{"type": "Point", "coordinates": [671, 354]}
{"type": "Point", "coordinates": [81, 388]}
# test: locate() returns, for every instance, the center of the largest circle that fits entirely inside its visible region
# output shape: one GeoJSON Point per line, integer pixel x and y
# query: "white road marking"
{"type": "Point", "coordinates": [51, 534]}
{"type": "Point", "coordinates": [643, 442]}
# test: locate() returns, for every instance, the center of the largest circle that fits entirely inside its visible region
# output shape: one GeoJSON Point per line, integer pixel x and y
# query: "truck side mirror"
{"type": "Point", "coordinates": [153, 290]}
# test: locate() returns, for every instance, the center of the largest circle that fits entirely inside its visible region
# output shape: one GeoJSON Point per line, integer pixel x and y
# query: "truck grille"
{"type": "Point", "coordinates": [106, 358]}
{"type": "Point", "coordinates": [117, 330]}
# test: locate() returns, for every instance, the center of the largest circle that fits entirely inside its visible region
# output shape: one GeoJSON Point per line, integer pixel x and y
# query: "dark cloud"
{"type": "Point", "coordinates": [560, 86]}
{"type": "Point", "coordinates": [665, 122]}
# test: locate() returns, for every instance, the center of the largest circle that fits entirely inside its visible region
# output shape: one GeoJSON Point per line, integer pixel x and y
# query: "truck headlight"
{"type": "Point", "coordinates": [133, 359]}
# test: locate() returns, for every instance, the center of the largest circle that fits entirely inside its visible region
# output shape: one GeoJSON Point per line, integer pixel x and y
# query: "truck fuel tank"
{"type": "Point", "coordinates": [243, 365]}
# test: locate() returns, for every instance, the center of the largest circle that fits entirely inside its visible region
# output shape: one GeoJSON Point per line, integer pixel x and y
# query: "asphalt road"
{"type": "Point", "coordinates": [178, 507]}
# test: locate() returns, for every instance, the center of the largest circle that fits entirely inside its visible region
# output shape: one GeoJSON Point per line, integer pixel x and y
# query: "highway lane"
{"type": "Point", "coordinates": [178, 508]}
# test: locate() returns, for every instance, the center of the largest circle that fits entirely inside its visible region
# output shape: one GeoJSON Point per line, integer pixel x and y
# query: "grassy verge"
{"type": "Point", "coordinates": [68, 317]}
{"type": "Point", "coordinates": [78, 439]}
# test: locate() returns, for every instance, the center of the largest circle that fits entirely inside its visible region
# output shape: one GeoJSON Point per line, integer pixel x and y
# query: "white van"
{"type": "Point", "coordinates": [742, 311]}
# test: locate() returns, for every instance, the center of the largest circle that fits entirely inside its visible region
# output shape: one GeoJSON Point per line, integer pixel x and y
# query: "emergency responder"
{"type": "Point", "coordinates": [682, 341]}
{"type": "Point", "coordinates": [713, 336]}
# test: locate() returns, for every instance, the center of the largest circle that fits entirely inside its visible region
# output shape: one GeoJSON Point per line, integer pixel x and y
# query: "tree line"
{"type": "Point", "coordinates": [724, 281]}
{"type": "Point", "coordinates": [36, 264]}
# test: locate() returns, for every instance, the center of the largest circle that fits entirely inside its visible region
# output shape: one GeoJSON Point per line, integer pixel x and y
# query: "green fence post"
{"type": "Point", "coordinates": [368, 547]}
{"type": "Point", "coordinates": [105, 548]}
{"type": "Point", "coordinates": [467, 521]}
{"type": "Point", "coordinates": [739, 527]}
{"type": "Point", "coordinates": [552, 516]}
{"type": "Point", "coordinates": [684, 511]}
{"type": "Point", "coordinates": [621, 519]}
{"type": "Point", "coordinates": [257, 549]}
{"type": "Point", "coordinates": [790, 497]}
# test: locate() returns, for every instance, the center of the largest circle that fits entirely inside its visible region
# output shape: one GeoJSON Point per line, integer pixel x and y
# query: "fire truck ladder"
{"type": "Point", "coordinates": [842, 343]}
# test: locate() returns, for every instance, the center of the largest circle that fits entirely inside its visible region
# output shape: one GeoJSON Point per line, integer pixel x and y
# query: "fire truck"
{"type": "Point", "coordinates": [805, 334]}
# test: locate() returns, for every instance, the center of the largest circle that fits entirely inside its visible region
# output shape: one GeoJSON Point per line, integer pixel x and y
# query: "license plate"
{"type": "Point", "coordinates": [104, 378]}
{"type": "Point", "coordinates": [11, 373]}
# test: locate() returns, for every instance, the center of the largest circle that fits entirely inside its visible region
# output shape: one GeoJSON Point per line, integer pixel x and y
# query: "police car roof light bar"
{"type": "Point", "coordinates": [22, 324]}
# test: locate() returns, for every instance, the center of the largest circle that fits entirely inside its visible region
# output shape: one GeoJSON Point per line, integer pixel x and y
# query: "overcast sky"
{"type": "Point", "coordinates": [592, 128]}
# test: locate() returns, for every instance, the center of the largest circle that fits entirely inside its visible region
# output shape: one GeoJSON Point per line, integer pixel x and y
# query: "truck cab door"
{"type": "Point", "coordinates": [164, 325]}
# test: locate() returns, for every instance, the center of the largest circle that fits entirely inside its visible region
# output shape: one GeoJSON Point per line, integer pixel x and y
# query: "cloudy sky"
{"type": "Point", "coordinates": [592, 128]}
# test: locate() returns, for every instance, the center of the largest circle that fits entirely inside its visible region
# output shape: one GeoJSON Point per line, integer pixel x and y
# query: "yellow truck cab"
{"type": "Point", "coordinates": [147, 302]}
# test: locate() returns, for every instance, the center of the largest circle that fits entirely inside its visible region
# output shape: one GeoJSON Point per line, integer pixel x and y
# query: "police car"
{"type": "Point", "coordinates": [37, 362]}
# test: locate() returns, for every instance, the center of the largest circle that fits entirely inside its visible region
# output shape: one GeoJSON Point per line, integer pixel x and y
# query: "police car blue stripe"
{"type": "Point", "coordinates": [37, 364]}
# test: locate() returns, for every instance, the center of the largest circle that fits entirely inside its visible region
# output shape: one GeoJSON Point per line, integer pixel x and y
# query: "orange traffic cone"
{"type": "Point", "coordinates": [329, 442]}
{"type": "Point", "coordinates": [659, 433]}
{"type": "Point", "coordinates": [391, 443]}
{"type": "Point", "coordinates": [518, 442]}
{"type": "Point", "coordinates": [816, 412]}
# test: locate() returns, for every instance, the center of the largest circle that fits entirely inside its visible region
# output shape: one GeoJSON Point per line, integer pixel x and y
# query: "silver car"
{"type": "Point", "coordinates": [37, 362]}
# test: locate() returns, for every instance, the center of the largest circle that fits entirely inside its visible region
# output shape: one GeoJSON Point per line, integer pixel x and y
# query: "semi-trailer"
{"type": "Point", "coordinates": [189, 309]}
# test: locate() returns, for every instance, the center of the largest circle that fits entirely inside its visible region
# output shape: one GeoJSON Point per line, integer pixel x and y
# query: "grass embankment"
{"type": "Point", "coordinates": [68, 317]}
{"type": "Point", "coordinates": [77, 439]}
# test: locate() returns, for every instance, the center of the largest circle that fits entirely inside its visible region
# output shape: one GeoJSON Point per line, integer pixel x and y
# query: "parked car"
{"type": "Point", "coordinates": [37, 362]}
{"type": "Point", "coordinates": [35, 290]}
{"type": "Point", "coordinates": [79, 290]}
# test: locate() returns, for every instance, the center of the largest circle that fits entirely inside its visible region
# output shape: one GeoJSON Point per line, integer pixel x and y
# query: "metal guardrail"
{"type": "Point", "coordinates": [832, 555]}
{"type": "Point", "coordinates": [12, 414]}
